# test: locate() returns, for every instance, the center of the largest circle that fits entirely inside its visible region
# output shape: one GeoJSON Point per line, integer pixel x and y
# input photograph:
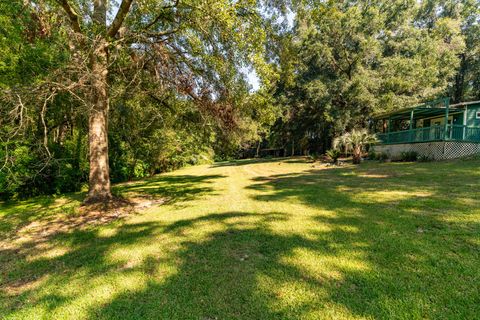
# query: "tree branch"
{"type": "Point", "coordinates": [118, 21]}
{"type": "Point", "coordinates": [72, 15]}
{"type": "Point", "coordinates": [158, 17]}
{"type": "Point", "coordinates": [161, 33]}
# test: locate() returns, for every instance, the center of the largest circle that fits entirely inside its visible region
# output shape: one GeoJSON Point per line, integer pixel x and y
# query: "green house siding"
{"type": "Point", "coordinates": [432, 121]}
{"type": "Point", "coordinates": [472, 110]}
{"type": "Point", "coordinates": [458, 119]}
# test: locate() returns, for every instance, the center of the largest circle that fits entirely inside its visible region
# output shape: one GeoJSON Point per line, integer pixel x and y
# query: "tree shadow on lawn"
{"type": "Point", "coordinates": [366, 265]}
{"type": "Point", "coordinates": [417, 230]}
{"type": "Point", "coordinates": [391, 255]}
{"type": "Point", "coordinates": [16, 215]}
{"type": "Point", "coordinates": [204, 264]}
{"type": "Point", "coordinates": [226, 276]}
{"type": "Point", "coordinates": [36, 227]}
{"type": "Point", "coordinates": [244, 162]}
{"type": "Point", "coordinates": [85, 253]}
{"type": "Point", "coordinates": [172, 188]}
{"type": "Point", "coordinates": [384, 259]}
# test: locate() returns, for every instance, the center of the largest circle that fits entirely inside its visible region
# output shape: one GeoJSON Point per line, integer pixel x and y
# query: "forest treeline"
{"type": "Point", "coordinates": [99, 91]}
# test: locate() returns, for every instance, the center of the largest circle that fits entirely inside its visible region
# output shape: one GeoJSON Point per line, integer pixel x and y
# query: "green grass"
{"type": "Point", "coordinates": [255, 240]}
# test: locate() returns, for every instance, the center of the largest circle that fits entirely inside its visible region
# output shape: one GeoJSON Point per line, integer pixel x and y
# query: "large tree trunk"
{"type": "Point", "coordinates": [97, 38]}
{"type": "Point", "coordinates": [99, 177]}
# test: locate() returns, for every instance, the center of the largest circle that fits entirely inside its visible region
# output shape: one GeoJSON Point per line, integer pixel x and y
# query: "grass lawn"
{"type": "Point", "coordinates": [280, 239]}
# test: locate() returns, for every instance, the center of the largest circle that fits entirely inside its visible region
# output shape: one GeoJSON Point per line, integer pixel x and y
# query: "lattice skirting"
{"type": "Point", "coordinates": [441, 150]}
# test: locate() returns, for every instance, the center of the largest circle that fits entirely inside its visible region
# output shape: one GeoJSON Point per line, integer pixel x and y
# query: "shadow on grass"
{"type": "Point", "coordinates": [31, 231]}
{"type": "Point", "coordinates": [16, 214]}
{"type": "Point", "coordinates": [244, 162]}
{"type": "Point", "coordinates": [220, 278]}
{"type": "Point", "coordinates": [415, 227]}
{"type": "Point", "coordinates": [371, 263]}
{"type": "Point", "coordinates": [86, 253]}
{"type": "Point", "coordinates": [379, 246]}
{"type": "Point", "coordinates": [171, 187]}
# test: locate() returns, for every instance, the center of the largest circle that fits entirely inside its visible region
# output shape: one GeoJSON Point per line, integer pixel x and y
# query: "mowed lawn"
{"type": "Point", "coordinates": [276, 239]}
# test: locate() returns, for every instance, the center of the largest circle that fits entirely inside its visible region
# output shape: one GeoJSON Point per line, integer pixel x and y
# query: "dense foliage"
{"type": "Point", "coordinates": [347, 60]}
{"type": "Point", "coordinates": [178, 88]}
{"type": "Point", "coordinates": [176, 95]}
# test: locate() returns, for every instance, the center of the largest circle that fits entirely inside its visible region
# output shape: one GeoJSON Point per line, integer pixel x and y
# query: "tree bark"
{"type": "Point", "coordinates": [257, 155]}
{"type": "Point", "coordinates": [99, 176]}
{"type": "Point", "coordinates": [357, 155]}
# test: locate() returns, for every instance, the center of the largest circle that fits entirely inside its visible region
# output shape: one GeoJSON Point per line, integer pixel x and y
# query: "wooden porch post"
{"type": "Point", "coordinates": [411, 125]}
{"type": "Point", "coordinates": [389, 127]}
{"type": "Point", "coordinates": [447, 105]}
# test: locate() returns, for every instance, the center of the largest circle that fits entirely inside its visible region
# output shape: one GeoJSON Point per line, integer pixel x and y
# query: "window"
{"type": "Point", "coordinates": [477, 115]}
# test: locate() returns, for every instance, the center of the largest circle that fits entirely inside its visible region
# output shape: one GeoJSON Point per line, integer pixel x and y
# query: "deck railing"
{"type": "Point", "coordinates": [434, 133]}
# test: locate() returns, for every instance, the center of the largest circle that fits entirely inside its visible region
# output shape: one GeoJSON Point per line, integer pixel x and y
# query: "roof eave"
{"type": "Point", "coordinates": [408, 110]}
{"type": "Point", "coordinates": [465, 103]}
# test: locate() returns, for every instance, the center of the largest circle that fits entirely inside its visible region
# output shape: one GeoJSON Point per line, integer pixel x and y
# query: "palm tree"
{"type": "Point", "coordinates": [356, 142]}
{"type": "Point", "coordinates": [342, 142]}
{"type": "Point", "coordinates": [333, 154]}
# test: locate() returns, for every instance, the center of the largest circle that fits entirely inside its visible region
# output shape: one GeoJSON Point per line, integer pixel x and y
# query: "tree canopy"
{"type": "Point", "coordinates": [349, 60]}
{"type": "Point", "coordinates": [97, 90]}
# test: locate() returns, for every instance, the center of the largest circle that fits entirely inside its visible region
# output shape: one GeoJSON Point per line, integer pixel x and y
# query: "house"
{"type": "Point", "coordinates": [437, 129]}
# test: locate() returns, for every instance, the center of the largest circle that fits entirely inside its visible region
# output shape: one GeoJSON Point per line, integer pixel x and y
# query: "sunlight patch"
{"type": "Point", "coordinates": [391, 195]}
{"type": "Point", "coordinates": [287, 294]}
{"type": "Point", "coordinates": [295, 292]}
{"type": "Point", "coordinates": [462, 218]}
{"type": "Point", "coordinates": [133, 258]}
{"type": "Point", "coordinates": [374, 176]}
{"type": "Point", "coordinates": [107, 232]}
{"type": "Point", "coordinates": [467, 201]}
{"type": "Point", "coordinates": [332, 310]}
{"type": "Point", "coordinates": [328, 265]}
{"type": "Point", "coordinates": [347, 228]}
{"type": "Point", "coordinates": [344, 189]}
{"type": "Point", "coordinates": [48, 254]}
{"type": "Point", "coordinates": [106, 291]}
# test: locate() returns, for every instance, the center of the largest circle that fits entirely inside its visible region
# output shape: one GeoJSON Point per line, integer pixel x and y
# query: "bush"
{"type": "Point", "coordinates": [333, 154]}
{"type": "Point", "coordinates": [424, 158]}
{"type": "Point", "coordinates": [372, 155]}
{"type": "Point", "coordinates": [409, 156]}
{"type": "Point", "coordinates": [30, 171]}
{"type": "Point", "coordinates": [381, 156]}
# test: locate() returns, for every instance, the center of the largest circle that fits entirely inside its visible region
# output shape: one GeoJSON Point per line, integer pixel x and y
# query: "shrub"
{"type": "Point", "coordinates": [30, 172]}
{"type": "Point", "coordinates": [381, 156]}
{"type": "Point", "coordinates": [409, 156]}
{"type": "Point", "coordinates": [333, 154]}
{"type": "Point", "coordinates": [424, 158]}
